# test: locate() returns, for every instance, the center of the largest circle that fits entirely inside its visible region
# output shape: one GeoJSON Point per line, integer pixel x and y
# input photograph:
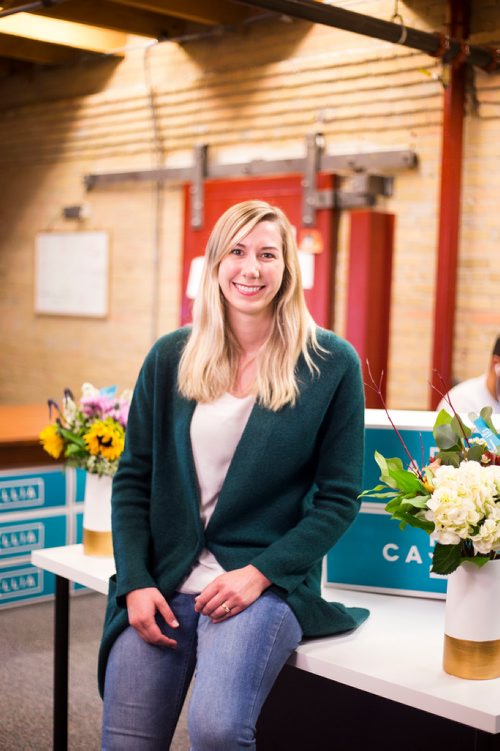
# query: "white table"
{"type": "Point", "coordinates": [377, 658]}
{"type": "Point", "coordinates": [68, 563]}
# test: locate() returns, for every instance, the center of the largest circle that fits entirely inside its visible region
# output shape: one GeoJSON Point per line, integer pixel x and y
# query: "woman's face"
{"type": "Point", "coordinates": [250, 275]}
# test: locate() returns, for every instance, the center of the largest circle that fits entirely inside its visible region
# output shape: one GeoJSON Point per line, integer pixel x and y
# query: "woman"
{"type": "Point", "coordinates": [241, 469]}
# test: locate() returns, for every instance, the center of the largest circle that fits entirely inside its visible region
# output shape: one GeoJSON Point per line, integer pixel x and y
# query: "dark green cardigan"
{"type": "Point", "coordinates": [289, 494]}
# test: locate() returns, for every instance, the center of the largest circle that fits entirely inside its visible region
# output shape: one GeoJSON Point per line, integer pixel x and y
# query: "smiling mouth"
{"type": "Point", "coordinates": [246, 290]}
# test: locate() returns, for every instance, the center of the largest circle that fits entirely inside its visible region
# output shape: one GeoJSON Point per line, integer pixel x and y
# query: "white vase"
{"type": "Point", "coordinates": [97, 516]}
{"type": "Point", "coordinates": [472, 622]}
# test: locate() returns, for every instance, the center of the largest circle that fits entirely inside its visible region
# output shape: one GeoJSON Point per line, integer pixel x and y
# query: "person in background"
{"type": "Point", "coordinates": [242, 467]}
{"type": "Point", "coordinates": [473, 394]}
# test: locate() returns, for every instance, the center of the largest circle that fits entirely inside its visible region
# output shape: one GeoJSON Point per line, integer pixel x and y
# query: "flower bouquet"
{"type": "Point", "coordinates": [455, 497]}
{"type": "Point", "coordinates": [89, 434]}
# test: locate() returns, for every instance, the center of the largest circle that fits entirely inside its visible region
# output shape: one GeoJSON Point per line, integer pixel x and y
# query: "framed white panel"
{"type": "Point", "coordinates": [72, 273]}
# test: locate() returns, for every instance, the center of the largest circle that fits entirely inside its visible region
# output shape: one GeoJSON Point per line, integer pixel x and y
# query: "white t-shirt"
{"type": "Point", "coordinates": [470, 396]}
{"type": "Point", "coordinates": [216, 429]}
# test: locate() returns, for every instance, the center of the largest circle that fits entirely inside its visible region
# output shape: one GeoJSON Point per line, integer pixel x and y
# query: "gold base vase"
{"type": "Point", "coordinates": [97, 516]}
{"type": "Point", "coordinates": [472, 622]}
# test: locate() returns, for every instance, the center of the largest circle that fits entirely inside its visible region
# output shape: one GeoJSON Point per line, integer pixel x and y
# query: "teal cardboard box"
{"type": "Point", "coordinates": [375, 554]}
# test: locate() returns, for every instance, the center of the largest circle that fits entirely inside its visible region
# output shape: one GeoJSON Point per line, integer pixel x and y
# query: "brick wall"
{"type": "Point", "coordinates": [252, 93]}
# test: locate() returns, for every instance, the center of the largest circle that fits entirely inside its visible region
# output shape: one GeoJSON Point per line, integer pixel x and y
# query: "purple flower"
{"type": "Point", "coordinates": [97, 405]}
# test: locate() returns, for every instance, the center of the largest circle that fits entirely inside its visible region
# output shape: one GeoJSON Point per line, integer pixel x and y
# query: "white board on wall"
{"type": "Point", "coordinates": [72, 273]}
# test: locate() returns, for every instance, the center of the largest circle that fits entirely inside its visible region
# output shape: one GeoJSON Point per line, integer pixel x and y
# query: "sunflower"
{"type": "Point", "coordinates": [105, 438]}
{"type": "Point", "coordinates": [52, 441]}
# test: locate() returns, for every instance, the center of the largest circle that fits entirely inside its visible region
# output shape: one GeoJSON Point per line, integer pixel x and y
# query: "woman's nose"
{"type": "Point", "coordinates": [251, 266]}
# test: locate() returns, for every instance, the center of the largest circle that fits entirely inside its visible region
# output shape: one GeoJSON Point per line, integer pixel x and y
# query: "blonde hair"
{"type": "Point", "coordinates": [209, 363]}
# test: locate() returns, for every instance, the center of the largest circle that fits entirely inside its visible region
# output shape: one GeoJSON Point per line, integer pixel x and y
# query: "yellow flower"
{"type": "Point", "coordinates": [105, 438]}
{"type": "Point", "coordinates": [52, 441]}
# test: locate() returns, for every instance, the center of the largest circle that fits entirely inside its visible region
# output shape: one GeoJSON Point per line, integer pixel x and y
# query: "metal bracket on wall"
{"type": "Point", "coordinates": [360, 188]}
{"type": "Point", "coordinates": [357, 190]}
{"type": "Point", "coordinates": [315, 146]}
{"type": "Point", "coordinates": [198, 186]}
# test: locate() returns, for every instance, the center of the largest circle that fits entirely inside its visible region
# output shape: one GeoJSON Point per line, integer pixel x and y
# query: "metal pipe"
{"type": "Point", "coordinates": [435, 44]}
{"type": "Point", "coordinates": [449, 213]}
{"type": "Point", "coordinates": [27, 7]}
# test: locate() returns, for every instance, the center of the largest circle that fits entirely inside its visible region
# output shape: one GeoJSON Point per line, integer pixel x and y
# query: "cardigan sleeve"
{"type": "Point", "coordinates": [337, 482]}
{"type": "Point", "coordinates": [132, 489]}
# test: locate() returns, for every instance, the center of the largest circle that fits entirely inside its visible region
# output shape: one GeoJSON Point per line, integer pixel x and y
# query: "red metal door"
{"type": "Point", "coordinates": [285, 192]}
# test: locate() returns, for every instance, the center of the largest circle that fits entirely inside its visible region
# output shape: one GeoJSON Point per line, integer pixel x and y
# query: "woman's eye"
{"type": "Point", "coordinates": [268, 255]}
{"type": "Point", "coordinates": [236, 252]}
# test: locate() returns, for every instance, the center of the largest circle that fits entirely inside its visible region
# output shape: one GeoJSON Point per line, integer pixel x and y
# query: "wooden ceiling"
{"type": "Point", "coordinates": [61, 32]}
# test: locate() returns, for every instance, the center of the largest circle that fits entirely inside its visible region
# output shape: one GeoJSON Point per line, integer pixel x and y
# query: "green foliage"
{"type": "Point", "coordinates": [449, 457]}
{"type": "Point", "coordinates": [486, 413]}
{"type": "Point", "coordinates": [446, 438]}
{"type": "Point", "coordinates": [475, 453]}
{"type": "Point", "coordinates": [446, 558]}
{"type": "Point", "coordinates": [407, 491]}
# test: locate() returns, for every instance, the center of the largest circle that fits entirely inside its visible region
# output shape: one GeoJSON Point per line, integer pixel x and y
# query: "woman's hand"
{"type": "Point", "coordinates": [142, 605]}
{"type": "Point", "coordinates": [230, 593]}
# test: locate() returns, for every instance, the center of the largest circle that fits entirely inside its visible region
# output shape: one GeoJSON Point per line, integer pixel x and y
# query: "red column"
{"type": "Point", "coordinates": [449, 212]}
{"type": "Point", "coordinates": [369, 293]}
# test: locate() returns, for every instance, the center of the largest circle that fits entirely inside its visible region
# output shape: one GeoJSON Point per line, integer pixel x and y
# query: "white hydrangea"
{"type": "Point", "coordinates": [463, 500]}
{"type": "Point", "coordinates": [488, 537]}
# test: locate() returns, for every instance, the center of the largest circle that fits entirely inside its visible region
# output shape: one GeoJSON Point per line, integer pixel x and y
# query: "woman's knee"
{"type": "Point", "coordinates": [218, 729]}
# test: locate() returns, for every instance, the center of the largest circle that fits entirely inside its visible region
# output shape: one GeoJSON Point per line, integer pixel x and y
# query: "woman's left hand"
{"type": "Point", "coordinates": [232, 592]}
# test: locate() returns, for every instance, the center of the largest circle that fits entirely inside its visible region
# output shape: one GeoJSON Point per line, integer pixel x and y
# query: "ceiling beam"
{"type": "Point", "coordinates": [63, 33]}
{"type": "Point", "coordinates": [222, 12]}
{"type": "Point", "coordinates": [36, 52]}
{"type": "Point", "coordinates": [125, 19]}
{"type": "Point", "coordinates": [435, 44]}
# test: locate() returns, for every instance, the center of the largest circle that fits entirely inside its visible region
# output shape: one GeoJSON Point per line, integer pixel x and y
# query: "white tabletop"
{"type": "Point", "coordinates": [396, 653]}
{"type": "Point", "coordinates": [70, 562]}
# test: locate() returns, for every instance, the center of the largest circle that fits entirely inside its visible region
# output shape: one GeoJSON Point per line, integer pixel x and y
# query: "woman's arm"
{"type": "Point", "coordinates": [132, 489]}
{"type": "Point", "coordinates": [288, 560]}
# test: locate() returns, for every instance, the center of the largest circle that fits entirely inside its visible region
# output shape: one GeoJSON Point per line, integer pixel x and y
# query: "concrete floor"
{"type": "Point", "coordinates": [26, 649]}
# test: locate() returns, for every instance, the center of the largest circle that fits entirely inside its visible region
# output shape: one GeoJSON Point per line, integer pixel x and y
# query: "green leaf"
{"type": "Point", "coordinates": [449, 457]}
{"type": "Point", "coordinates": [385, 466]}
{"type": "Point", "coordinates": [446, 558]}
{"type": "Point", "coordinates": [475, 452]}
{"type": "Point", "coordinates": [73, 438]}
{"type": "Point", "coordinates": [477, 560]}
{"type": "Point", "coordinates": [415, 521]}
{"type": "Point", "coordinates": [460, 427]}
{"type": "Point", "coordinates": [403, 510]}
{"type": "Point", "coordinates": [394, 505]}
{"type": "Point", "coordinates": [417, 501]}
{"type": "Point", "coordinates": [369, 494]}
{"type": "Point", "coordinates": [446, 438]}
{"type": "Point", "coordinates": [72, 449]}
{"type": "Point", "coordinates": [407, 481]}
{"type": "Point", "coordinates": [443, 418]}
{"type": "Point", "coordinates": [395, 464]}
{"type": "Point", "coordinates": [373, 492]}
{"type": "Point", "coordinates": [486, 413]}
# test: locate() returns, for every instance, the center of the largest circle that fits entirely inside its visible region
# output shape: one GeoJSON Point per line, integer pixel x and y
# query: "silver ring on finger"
{"type": "Point", "coordinates": [226, 608]}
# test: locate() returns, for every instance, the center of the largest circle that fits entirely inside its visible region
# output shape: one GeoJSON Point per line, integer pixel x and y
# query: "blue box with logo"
{"type": "Point", "coordinates": [375, 554]}
{"type": "Point", "coordinates": [32, 489]}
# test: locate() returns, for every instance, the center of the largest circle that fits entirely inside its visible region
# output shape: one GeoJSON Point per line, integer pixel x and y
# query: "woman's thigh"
{"type": "Point", "coordinates": [146, 685]}
{"type": "Point", "coordinates": [238, 661]}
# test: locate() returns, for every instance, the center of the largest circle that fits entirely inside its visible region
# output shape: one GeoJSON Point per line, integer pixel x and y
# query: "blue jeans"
{"type": "Point", "coordinates": [237, 662]}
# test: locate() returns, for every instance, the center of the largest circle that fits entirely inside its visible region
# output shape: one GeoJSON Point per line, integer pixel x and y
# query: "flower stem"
{"type": "Point", "coordinates": [378, 390]}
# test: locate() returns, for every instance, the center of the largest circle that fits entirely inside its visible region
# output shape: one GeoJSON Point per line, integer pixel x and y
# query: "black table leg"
{"type": "Point", "coordinates": [486, 741]}
{"type": "Point", "coordinates": [61, 650]}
